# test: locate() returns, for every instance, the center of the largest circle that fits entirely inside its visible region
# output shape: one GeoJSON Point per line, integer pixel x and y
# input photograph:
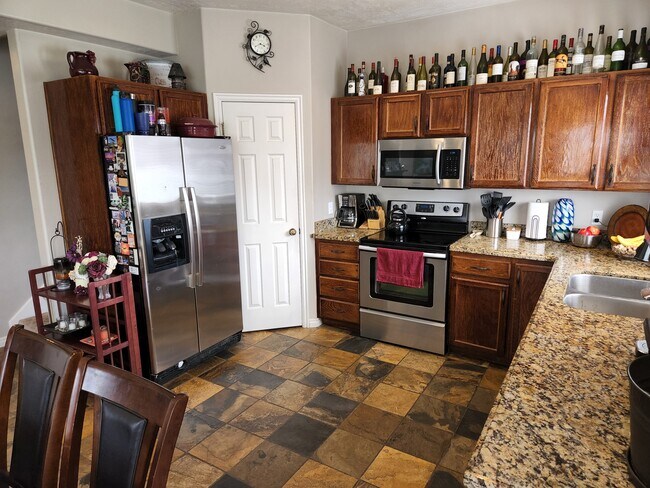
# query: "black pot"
{"type": "Point", "coordinates": [639, 453]}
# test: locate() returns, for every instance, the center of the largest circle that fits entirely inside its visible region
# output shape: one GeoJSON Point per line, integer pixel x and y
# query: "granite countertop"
{"type": "Point", "coordinates": [562, 415]}
{"type": "Point", "coordinates": [333, 233]}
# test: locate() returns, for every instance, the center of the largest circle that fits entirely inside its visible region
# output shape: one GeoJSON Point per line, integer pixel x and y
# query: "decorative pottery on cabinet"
{"type": "Point", "coordinates": [563, 215]}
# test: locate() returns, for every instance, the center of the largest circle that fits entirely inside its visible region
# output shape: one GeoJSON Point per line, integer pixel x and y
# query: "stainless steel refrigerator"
{"type": "Point", "coordinates": [172, 209]}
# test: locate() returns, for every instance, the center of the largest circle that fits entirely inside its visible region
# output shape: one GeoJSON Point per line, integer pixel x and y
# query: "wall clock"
{"type": "Point", "coordinates": [258, 46]}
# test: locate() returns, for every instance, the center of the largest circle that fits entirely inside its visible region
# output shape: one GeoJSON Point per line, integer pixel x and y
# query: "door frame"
{"type": "Point", "coordinates": [296, 100]}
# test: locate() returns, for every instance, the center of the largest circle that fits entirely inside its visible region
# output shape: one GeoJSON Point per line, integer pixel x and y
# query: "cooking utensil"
{"type": "Point", "coordinates": [508, 207]}
{"type": "Point", "coordinates": [485, 212]}
{"type": "Point", "coordinates": [486, 200]}
{"type": "Point", "coordinates": [497, 194]}
{"type": "Point", "coordinates": [503, 202]}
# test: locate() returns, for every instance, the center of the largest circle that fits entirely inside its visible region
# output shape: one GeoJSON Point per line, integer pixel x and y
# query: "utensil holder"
{"type": "Point", "coordinates": [494, 228]}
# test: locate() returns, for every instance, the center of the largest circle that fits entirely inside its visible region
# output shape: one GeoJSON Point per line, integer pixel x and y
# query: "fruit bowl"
{"type": "Point", "coordinates": [585, 240]}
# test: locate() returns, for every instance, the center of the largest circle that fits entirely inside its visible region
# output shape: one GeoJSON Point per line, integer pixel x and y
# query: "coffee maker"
{"type": "Point", "coordinates": [643, 251]}
{"type": "Point", "coordinates": [350, 213]}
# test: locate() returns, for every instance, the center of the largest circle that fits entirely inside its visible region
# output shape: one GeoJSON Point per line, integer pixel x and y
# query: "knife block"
{"type": "Point", "coordinates": [378, 223]}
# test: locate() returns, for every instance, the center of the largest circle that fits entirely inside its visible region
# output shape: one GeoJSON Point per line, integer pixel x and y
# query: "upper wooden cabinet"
{"type": "Point", "coordinates": [182, 104]}
{"type": "Point", "coordinates": [571, 133]}
{"type": "Point", "coordinates": [354, 140]}
{"type": "Point", "coordinates": [500, 135]}
{"type": "Point", "coordinates": [628, 166]}
{"type": "Point", "coordinates": [400, 115]}
{"type": "Point", "coordinates": [445, 112]}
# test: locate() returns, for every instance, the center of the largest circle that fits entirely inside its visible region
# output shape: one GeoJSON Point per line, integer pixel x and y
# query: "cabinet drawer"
{"type": "Point", "coordinates": [342, 311]}
{"type": "Point", "coordinates": [339, 270]}
{"type": "Point", "coordinates": [481, 266]}
{"type": "Point", "coordinates": [341, 289]}
{"type": "Point", "coordinates": [341, 252]}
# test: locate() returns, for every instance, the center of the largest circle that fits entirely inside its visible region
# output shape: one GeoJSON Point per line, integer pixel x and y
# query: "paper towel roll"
{"type": "Point", "coordinates": [537, 220]}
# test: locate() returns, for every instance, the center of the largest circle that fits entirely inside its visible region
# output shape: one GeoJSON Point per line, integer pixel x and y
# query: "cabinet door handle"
{"type": "Point", "coordinates": [338, 288]}
{"type": "Point", "coordinates": [503, 298]}
{"type": "Point", "coordinates": [372, 174]}
{"type": "Point", "coordinates": [518, 276]}
{"type": "Point", "coordinates": [610, 175]}
{"type": "Point", "coordinates": [479, 268]}
{"type": "Point", "coordinates": [593, 174]}
{"type": "Point", "coordinates": [415, 124]}
{"type": "Point", "coordinates": [337, 251]}
{"type": "Point", "coordinates": [426, 124]}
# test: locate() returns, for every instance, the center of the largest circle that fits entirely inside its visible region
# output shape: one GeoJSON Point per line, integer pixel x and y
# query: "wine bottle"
{"type": "Point", "coordinates": [504, 75]}
{"type": "Point", "coordinates": [629, 50]}
{"type": "Point", "coordinates": [513, 65]}
{"type": "Point", "coordinates": [385, 82]}
{"type": "Point", "coordinates": [569, 64]}
{"type": "Point", "coordinates": [522, 61]}
{"type": "Point", "coordinates": [490, 63]}
{"type": "Point", "coordinates": [587, 67]}
{"type": "Point", "coordinates": [640, 57]}
{"type": "Point", "coordinates": [371, 79]}
{"type": "Point", "coordinates": [531, 60]}
{"type": "Point", "coordinates": [462, 70]}
{"type": "Point", "coordinates": [351, 84]}
{"type": "Point", "coordinates": [482, 68]}
{"type": "Point", "coordinates": [608, 54]}
{"type": "Point", "coordinates": [450, 72]}
{"type": "Point", "coordinates": [361, 85]}
{"type": "Point", "coordinates": [578, 59]}
{"type": "Point", "coordinates": [618, 53]}
{"type": "Point", "coordinates": [471, 75]}
{"type": "Point", "coordinates": [421, 76]}
{"type": "Point", "coordinates": [435, 74]}
{"type": "Point", "coordinates": [497, 67]}
{"type": "Point", "coordinates": [598, 63]}
{"type": "Point", "coordinates": [551, 60]}
{"type": "Point", "coordinates": [561, 58]}
{"type": "Point", "coordinates": [542, 62]}
{"type": "Point", "coordinates": [395, 78]}
{"type": "Point", "coordinates": [410, 75]}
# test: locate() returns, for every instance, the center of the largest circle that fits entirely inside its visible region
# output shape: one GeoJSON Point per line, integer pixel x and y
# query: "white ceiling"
{"type": "Point", "coordinates": [342, 13]}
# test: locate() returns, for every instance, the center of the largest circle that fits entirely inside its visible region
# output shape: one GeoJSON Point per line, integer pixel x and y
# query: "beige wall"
{"type": "Point", "coordinates": [492, 25]}
{"type": "Point", "coordinates": [17, 229]}
{"type": "Point", "coordinates": [189, 46]}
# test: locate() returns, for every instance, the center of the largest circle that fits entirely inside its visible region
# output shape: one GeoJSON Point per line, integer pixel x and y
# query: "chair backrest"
{"type": "Point", "coordinates": [46, 375]}
{"type": "Point", "coordinates": [135, 426]}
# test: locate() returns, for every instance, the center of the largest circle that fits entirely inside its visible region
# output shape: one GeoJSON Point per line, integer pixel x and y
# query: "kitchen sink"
{"type": "Point", "coordinates": [608, 294]}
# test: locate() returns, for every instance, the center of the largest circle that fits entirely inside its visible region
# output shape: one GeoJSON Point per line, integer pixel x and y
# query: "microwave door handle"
{"type": "Point", "coordinates": [438, 164]}
{"type": "Point", "coordinates": [198, 238]}
{"type": "Point", "coordinates": [188, 215]}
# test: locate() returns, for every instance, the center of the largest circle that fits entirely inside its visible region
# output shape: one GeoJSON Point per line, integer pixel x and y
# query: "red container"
{"type": "Point", "coordinates": [195, 127]}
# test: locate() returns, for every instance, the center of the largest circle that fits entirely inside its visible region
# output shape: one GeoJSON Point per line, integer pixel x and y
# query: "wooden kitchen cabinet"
{"type": "Point", "coordinates": [354, 140]}
{"type": "Point", "coordinates": [571, 134]}
{"type": "Point", "coordinates": [529, 281]}
{"type": "Point", "coordinates": [491, 301]}
{"type": "Point", "coordinates": [337, 274]}
{"type": "Point", "coordinates": [500, 136]}
{"type": "Point", "coordinates": [181, 104]}
{"type": "Point", "coordinates": [79, 112]}
{"type": "Point", "coordinates": [628, 165]}
{"type": "Point", "coordinates": [399, 115]}
{"type": "Point", "coordinates": [445, 112]}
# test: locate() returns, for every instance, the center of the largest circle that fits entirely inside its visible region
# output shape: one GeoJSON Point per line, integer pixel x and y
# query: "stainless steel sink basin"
{"type": "Point", "coordinates": [608, 294]}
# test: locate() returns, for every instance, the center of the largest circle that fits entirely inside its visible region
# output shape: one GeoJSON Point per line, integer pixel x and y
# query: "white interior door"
{"type": "Point", "coordinates": [266, 175]}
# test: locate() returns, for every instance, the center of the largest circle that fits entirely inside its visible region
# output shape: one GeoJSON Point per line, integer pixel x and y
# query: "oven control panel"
{"type": "Point", "coordinates": [431, 209]}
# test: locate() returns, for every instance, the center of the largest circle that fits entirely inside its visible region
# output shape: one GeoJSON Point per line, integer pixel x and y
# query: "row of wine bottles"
{"type": "Point", "coordinates": [532, 63]}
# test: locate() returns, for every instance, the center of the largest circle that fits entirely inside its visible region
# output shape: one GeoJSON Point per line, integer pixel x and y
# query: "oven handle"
{"type": "Point", "coordinates": [426, 254]}
{"type": "Point", "coordinates": [438, 164]}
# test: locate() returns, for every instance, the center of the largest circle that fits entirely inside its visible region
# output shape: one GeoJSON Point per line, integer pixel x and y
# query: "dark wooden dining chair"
{"type": "Point", "coordinates": [135, 426]}
{"type": "Point", "coordinates": [46, 373]}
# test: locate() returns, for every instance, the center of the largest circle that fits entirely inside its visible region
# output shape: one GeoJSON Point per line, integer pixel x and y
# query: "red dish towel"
{"type": "Point", "coordinates": [403, 268]}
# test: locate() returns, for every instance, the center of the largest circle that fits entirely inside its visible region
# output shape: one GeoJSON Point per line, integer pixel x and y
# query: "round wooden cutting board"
{"type": "Point", "coordinates": [628, 221]}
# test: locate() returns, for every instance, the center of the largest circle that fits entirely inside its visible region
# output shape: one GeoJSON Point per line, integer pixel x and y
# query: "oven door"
{"type": "Point", "coordinates": [422, 163]}
{"type": "Point", "coordinates": [426, 303]}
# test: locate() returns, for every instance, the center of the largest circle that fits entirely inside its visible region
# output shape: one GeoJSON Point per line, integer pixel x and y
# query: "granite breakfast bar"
{"type": "Point", "coordinates": [562, 415]}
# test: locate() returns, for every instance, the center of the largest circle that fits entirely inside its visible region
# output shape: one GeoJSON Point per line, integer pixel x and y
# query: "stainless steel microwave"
{"type": "Point", "coordinates": [423, 163]}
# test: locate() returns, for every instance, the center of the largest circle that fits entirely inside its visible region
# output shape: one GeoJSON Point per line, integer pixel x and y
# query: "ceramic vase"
{"type": "Point", "coordinates": [563, 216]}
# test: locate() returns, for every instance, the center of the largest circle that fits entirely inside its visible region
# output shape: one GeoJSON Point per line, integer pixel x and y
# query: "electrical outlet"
{"type": "Point", "coordinates": [330, 208]}
{"type": "Point", "coordinates": [597, 217]}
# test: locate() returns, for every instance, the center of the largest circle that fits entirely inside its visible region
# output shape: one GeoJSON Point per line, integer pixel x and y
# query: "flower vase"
{"type": "Point", "coordinates": [563, 215]}
{"type": "Point", "coordinates": [103, 291]}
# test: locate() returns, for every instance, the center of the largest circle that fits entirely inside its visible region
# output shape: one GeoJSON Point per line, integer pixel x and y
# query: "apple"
{"type": "Point", "coordinates": [593, 230]}
{"type": "Point", "coordinates": [583, 232]}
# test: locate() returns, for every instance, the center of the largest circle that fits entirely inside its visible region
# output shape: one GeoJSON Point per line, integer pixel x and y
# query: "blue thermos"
{"type": "Point", "coordinates": [117, 111]}
{"type": "Point", "coordinates": [127, 112]}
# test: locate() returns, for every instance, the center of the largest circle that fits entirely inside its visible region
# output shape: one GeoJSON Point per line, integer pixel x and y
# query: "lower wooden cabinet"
{"type": "Point", "coordinates": [489, 309]}
{"type": "Point", "coordinates": [337, 273]}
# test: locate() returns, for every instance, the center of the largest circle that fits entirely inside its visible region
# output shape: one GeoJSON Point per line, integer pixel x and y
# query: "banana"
{"type": "Point", "coordinates": [614, 239]}
{"type": "Point", "coordinates": [631, 242]}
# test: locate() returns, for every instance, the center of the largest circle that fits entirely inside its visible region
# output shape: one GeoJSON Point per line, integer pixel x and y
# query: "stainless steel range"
{"type": "Point", "coordinates": [413, 317]}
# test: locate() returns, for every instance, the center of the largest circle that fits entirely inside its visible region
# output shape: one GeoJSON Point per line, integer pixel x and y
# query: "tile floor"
{"type": "Point", "coordinates": [320, 408]}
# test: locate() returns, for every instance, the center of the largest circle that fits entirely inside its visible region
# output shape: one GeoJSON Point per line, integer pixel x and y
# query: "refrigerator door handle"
{"type": "Point", "coordinates": [191, 283]}
{"type": "Point", "coordinates": [198, 238]}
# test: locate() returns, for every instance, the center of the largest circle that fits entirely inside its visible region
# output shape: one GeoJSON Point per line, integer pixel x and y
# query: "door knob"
{"type": "Point", "coordinates": [292, 232]}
